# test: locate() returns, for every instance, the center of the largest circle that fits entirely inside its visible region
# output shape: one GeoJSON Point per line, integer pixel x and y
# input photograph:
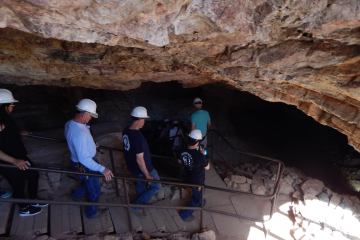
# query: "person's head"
{"type": "Point", "coordinates": [7, 101]}
{"type": "Point", "coordinates": [86, 109]}
{"type": "Point", "coordinates": [198, 103]}
{"type": "Point", "coordinates": [194, 137]}
{"type": "Point", "coordinates": [138, 116]}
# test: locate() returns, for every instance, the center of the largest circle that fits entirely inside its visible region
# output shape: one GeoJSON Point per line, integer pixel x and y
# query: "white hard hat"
{"type": "Point", "coordinates": [197, 100]}
{"type": "Point", "coordinates": [139, 112]}
{"type": "Point", "coordinates": [87, 105]}
{"type": "Point", "coordinates": [195, 134]}
{"type": "Point", "coordinates": [6, 96]}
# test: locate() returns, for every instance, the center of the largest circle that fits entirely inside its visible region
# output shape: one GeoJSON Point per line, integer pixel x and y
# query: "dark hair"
{"type": "Point", "coordinates": [77, 111]}
{"type": "Point", "coordinates": [4, 115]}
{"type": "Point", "coordinates": [133, 119]}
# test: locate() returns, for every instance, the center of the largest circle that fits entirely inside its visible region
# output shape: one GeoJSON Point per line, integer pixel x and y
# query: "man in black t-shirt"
{"type": "Point", "coordinates": [12, 151]}
{"type": "Point", "coordinates": [194, 163]}
{"type": "Point", "coordinates": [137, 157]}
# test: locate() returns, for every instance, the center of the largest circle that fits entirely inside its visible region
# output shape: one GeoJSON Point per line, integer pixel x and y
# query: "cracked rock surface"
{"type": "Point", "coordinates": [304, 53]}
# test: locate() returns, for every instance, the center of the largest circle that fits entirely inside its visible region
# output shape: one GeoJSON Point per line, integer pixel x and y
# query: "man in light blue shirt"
{"type": "Point", "coordinates": [82, 151]}
{"type": "Point", "coordinates": [200, 119]}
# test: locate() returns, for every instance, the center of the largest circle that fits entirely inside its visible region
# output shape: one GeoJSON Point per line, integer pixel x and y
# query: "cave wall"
{"type": "Point", "coordinates": [304, 53]}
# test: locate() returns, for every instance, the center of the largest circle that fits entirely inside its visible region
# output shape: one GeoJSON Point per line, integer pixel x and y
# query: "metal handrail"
{"type": "Point", "coordinates": [170, 182]}
{"type": "Point", "coordinates": [65, 171]}
{"type": "Point", "coordinates": [272, 197]}
{"type": "Point", "coordinates": [278, 162]}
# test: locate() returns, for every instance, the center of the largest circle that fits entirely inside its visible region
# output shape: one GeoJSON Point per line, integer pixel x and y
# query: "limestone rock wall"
{"type": "Point", "coordinates": [305, 53]}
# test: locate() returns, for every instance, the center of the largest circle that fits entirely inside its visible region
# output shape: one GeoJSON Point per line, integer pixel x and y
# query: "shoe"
{"type": "Point", "coordinates": [29, 211]}
{"type": "Point", "coordinates": [189, 219]}
{"type": "Point", "coordinates": [5, 194]}
{"type": "Point", "coordinates": [40, 205]}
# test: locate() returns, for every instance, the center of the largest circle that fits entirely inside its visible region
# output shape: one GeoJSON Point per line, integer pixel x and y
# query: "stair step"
{"type": "Point", "coordinates": [120, 220]}
{"type": "Point", "coordinates": [28, 226]}
{"type": "Point", "coordinates": [65, 220]}
{"type": "Point", "coordinates": [170, 224]}
{"type": "Point", "coordinates": [5, 209]}
{"type": "Point", "coordinates": [143, 223]}
{"type": "Point", "coordinates": [100, 224]}
{"type": "Point", "coordinates": [158, 219]}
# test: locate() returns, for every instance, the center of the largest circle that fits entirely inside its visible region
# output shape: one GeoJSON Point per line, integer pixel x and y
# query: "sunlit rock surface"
{"type": "Point", "coordinates": [304, 53]}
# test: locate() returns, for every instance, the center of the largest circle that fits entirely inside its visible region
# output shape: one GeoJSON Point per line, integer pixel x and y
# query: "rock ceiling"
{"type": "Point", "coordinates": [301, 52]}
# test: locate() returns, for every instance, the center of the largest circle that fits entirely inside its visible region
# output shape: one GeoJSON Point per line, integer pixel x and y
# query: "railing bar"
{"type": "Point", "coordinates": [235, 215]}
{"type": "Point", "coordinates": [100, 175]}
{"type": "Point", "coordinates": [54, 202]}
{"type": "Point", "coordinates": [127, 202]}
{"type": "Point", "coordinates": [113, 170]}
{"type": "Point", "coordinates": [202, 210]}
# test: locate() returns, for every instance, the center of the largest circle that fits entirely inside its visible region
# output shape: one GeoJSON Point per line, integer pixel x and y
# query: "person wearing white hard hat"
{"type": "Point", "coordinates": [13, 151]}
{"type": "Point", "coordinates": [82, 152]}
{"type": "Point", "coordinates": [194, 163]}
{"type": "Point", "coordinates": [138, 159]}
{"type": "Point", "coordinates": [200, 119]}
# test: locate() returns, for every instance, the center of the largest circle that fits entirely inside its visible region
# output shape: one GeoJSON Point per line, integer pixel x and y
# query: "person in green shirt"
{"type": "Point", "coordinates": [200, 119]}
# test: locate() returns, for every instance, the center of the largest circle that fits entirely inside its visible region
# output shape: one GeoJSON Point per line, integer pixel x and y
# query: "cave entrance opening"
{"type": "Point", "coordinates": [271, 129]}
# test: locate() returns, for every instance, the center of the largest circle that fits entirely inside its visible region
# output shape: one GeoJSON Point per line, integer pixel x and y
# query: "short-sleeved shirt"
{"type": "Point", "coordinates": [10, 140]}
{"type": "Point", "coordinates": [200, 119]}
{"type": "Point", "coordinates": [194, 163]}
{"type": "Point", "coordinates": [134, 143]}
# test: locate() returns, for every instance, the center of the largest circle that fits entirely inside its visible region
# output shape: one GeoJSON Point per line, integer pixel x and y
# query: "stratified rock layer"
{"type": "Point", "coordinates": [304, 53]}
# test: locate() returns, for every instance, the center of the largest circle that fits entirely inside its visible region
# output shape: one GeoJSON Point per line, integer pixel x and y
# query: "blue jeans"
{"type": "Point", "coordinates": [145, 191]}
{"type": "Point", "coordinates": [89, 187]}
{"type": "Point", "coordinates": [196, 197]}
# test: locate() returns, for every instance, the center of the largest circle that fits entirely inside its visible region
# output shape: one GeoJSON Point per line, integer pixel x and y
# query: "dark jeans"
{"type": "Point", "coordinates": [195, 201]}
{"type": "Point", "coordinates": [17, 179]}
{"type": "Point", "coordinates": [146, 191]}
{"type": "Point", "coordinates": [89, 188]}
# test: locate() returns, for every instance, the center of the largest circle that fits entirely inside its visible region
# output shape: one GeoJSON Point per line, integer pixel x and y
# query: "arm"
{"type": "Point", "coordinates": [207, 167]}
{"type": "Point", "coordinates": [141, 163]}
{"type": "Point", "coordinates": [19, 163]}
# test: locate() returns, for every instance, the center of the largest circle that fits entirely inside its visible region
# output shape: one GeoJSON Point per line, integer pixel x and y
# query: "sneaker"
{"type": "Point", "coordinates": [29, 211]}
{"type": "Point", "coordinates": [40, 205]}
{"type": "Point", "coordinates": [5, 194]}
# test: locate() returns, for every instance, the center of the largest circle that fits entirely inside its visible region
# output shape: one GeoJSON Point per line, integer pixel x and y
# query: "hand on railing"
{"type": "Point", "coordinates": [22, 164]}
{"type": "Point", "coordinates": [108, 174]}
{"type": "Point", "coordinates": [149, 178]}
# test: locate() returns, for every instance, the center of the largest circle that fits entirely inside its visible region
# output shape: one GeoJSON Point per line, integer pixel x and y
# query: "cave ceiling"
{"type": "Point", "coordinates": [305, 53]}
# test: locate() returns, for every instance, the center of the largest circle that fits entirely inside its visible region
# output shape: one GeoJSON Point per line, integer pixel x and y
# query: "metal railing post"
{"type": "Point", "coordinates": [272, 197]}
{"type": "Point", "coordinates": [127, 203]}
{"type": "Point", "coordinates": [202, 209]}
{"type": "Point", "coordinates": [113, 169]}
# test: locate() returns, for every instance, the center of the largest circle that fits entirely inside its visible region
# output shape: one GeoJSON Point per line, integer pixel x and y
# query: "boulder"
{"type": "Point", "coordinates": [208, 235]}
{"type": "Point", "coordinates": [244, 187]}
{"type": "Point", "coordinates": [312, 188]}
{"type": "Point", "coordinates": [238, 179]}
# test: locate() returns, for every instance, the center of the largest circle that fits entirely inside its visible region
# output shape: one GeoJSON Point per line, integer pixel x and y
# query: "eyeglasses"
{"type": "Point", "coordinates": [198, 103]}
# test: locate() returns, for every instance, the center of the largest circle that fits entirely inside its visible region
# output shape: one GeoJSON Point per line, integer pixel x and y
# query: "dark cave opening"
{"type": "Point", "coordinates": [271, 129]}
